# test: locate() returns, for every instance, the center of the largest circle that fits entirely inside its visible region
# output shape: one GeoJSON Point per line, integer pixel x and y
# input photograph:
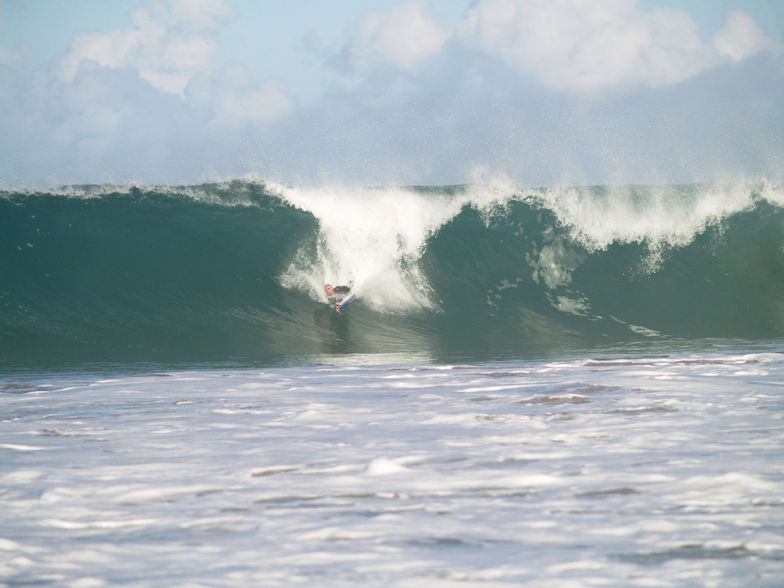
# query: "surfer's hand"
{"type": "Point", "coordinates": [337, 308]}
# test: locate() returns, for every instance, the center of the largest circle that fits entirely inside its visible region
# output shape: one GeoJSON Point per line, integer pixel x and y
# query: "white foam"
{"type": "Point", "coordinates": [642, 477]}
{"type": "Point", "coordinates": [660, 216]}
{"type": "Point", "coordinates": [370, 238]}
{"type": "Point", "coordinates": [373, 238]}
{"type": "Point", "coordinates": [8, 545]}
{"type": "Point", "coordinates": [381, 466]}
{"type": "Point", "coordinates": [20, 447]}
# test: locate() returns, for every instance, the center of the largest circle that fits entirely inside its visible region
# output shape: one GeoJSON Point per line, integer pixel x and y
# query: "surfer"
{"type": "Point", "coordinates": [336, 294]}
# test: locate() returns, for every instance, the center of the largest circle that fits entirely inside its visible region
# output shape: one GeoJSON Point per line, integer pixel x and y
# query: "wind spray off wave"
{"type": "Point", "coordinates": [234, 271]}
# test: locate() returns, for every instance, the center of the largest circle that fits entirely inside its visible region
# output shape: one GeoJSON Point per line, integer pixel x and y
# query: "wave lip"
{"type": "Point", "coordinates": [234, 271]}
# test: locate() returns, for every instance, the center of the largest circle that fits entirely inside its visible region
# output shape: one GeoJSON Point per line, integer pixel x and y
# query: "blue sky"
{"type": "Point", "coordinates": [418, 91]}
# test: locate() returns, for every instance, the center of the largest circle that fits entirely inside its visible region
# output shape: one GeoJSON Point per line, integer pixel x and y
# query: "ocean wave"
{"type": "Point", "coordinates": [234, 270]}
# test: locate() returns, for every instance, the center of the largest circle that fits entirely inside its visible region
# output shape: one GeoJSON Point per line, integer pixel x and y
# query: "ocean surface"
{"type": "Point", "coordinates": [535, 386]}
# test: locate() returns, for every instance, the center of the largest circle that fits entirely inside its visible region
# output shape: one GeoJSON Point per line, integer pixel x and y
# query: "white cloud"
{"type": "Point", "coordinates": [187, 54]}
{"type": "Point", "coordinates": [238, 103]}
{"type": "Point", "coordinates": [151, 101]}
{"type": "Point", "coordinates": [741, 37]}
{"type": "Point", "coordinates": [404, 36]}
{"type": "Point", "coordinates": [113, 50]}
{"type": "Point", "coordinates": [169, 45]}
{"type": "Point", "coordinates": [578, 45]}
{"type": "Point", "coordinates": [162, 46]}
{"type": "Point", "coordinates": [171, 82]}
{"type": "Point", "coordinates": [200, 13]}
{"type": "Point", "coordinates": [261, 106]}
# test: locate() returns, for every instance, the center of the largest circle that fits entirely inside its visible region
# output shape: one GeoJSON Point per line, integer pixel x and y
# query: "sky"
{"type": "Point", "coordinates": [540, 92]}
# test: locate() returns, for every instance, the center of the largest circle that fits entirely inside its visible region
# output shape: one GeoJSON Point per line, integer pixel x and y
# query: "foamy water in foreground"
{"type": "Point", "coordinates": [662, 471]}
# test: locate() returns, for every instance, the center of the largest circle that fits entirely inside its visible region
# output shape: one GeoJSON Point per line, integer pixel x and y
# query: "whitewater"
{"type": "Point", "coordinates": [536, 386]}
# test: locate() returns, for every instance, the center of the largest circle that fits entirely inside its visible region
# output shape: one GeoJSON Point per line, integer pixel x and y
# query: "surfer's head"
{"type": "Point", "coordinates": [329, 290]}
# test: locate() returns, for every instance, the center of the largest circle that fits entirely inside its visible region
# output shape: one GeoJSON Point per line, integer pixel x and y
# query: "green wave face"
{"type": "Point", "coordinates": [234, 272]}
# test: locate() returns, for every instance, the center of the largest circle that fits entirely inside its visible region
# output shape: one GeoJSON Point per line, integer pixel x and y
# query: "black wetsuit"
{"type": "Point", "coordinates": [340, 294]}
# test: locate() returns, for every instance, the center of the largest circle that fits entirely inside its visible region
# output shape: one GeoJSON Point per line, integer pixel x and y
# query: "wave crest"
{"type": "Point", "coordinates": [236, 269]}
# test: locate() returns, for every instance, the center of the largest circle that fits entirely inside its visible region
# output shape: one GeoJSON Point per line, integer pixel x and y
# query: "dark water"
{"type": "Point", "coordinates": [230, 272]}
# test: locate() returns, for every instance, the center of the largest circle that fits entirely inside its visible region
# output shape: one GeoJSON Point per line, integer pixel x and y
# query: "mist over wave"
{"type": "Point", "coordinates": [234, 271]}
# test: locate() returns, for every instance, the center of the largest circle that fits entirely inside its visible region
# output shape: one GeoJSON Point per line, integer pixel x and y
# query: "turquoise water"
{"type": "Point", "coordinates": [232, 272]}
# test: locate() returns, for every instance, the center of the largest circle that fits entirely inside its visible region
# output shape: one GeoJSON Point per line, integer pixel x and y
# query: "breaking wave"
{"type": "Point", "coordinates": [233, 272]}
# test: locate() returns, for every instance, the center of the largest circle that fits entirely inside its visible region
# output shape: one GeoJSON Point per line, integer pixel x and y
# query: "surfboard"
{"type": "Point", "coordinates": [345, 302]}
